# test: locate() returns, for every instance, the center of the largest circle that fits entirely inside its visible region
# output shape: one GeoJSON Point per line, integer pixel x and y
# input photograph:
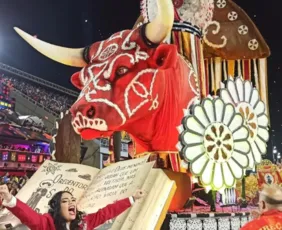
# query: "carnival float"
{"type": "Point", "coordinates": [189, 86]}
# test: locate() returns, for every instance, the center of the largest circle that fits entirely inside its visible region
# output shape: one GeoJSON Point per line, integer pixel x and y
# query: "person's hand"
{"type": "Point", "coordinates": [255, 214]}
{"type": "Point", "coordinates": [138, 194]}
{"type": "Point", "coordinates": [5, 194]}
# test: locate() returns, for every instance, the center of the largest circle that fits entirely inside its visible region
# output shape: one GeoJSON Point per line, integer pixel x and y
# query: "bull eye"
{"type": "Point", "coordinates": [121, 71]}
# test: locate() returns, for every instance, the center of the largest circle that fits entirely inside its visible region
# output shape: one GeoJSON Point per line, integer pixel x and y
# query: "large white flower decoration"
{"type": "Point", "coordinates": [247, 101]}
{"type": "Point", "coordinates": [215, 142]}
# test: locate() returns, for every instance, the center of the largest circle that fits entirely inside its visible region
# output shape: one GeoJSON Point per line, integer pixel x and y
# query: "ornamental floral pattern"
{"type": "Point", "coordinates": [247, 101]}
{"type": "Point", "coordinates": [215, 142]}
{"type": "Point", "coordinates": [197, 12]}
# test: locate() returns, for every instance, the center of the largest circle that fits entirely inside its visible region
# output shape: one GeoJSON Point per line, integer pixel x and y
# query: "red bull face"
{"type": "Point", "coordinates": [124, 81]}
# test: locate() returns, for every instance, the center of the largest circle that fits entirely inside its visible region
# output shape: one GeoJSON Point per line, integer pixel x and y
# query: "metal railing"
{"type": "Point", "coordinates": [37, 80]}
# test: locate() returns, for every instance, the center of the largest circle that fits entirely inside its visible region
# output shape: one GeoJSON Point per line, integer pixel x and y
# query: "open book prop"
{"type": "Point", "coordinates": [96, 188]}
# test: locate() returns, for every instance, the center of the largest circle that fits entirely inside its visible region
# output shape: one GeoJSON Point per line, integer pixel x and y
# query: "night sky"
{"type": "Point", "coordinates": [74, 23]}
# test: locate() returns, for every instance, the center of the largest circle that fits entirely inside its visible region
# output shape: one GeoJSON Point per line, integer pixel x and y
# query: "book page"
{"type": "Point", "coordinates": [145, 213]}
{"type": "Point", "coordinates": [53, 177]}
{"type": "Point", "coordinates": [152, 211]}
{"type": "Point", "coordinates": [149, 185]}
{"type": "Point", "coordinates": [138, 184]}
{"type": "Point", "coordinates": [113, 183]}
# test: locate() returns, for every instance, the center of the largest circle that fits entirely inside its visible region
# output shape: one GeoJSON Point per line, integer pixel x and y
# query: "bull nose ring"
{"type": "Point", "coordinates": [90, 112]}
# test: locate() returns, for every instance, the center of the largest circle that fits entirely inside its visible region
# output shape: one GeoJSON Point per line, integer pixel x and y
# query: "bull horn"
{"type": "Point", "coordinates": [66, 56]}
{"type": "Point", "coordinates": [161, 26]}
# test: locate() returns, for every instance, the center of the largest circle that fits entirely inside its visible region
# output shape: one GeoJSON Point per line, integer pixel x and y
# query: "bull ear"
{"type": "Point", "coordinates": [165, 56]}
{"type": "Point", "coordinates": [75, 80]}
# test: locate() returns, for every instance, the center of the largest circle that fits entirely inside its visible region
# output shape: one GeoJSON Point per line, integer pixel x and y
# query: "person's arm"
{"type": "Point", "coordinates": [25, 214]}
{"type": "Point", "coordinates": [109, 212]}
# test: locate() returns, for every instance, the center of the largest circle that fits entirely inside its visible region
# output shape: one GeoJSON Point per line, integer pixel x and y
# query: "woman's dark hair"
{"type": "Point", "coordinates": [55, 212]}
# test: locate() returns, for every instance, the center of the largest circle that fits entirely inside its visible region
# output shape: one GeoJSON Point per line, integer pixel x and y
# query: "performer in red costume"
{"type": "Point", "coordinates": [270, 210]}
{"type": "Point", "coordinates": [63, 213]}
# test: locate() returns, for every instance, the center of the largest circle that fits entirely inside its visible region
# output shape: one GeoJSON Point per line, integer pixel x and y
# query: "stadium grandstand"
{"type": "Point", "coordinates": [36, 96]}
{"type": "Point", "coordinates": [28, 108]}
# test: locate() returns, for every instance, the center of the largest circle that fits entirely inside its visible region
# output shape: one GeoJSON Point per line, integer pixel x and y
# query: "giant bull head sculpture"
{"type": "Point", "coordinates": [130, 82]}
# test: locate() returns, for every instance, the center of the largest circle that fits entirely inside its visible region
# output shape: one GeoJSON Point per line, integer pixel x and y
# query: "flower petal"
{"type": "Point", "coordinates": [207, 175]}
{"type": "Point", "coordinates": [193, 152]}
{"type": "Point", "coordinates": [192, 124]}
{"type": "Point", "coordinates": [260, 108]}
{"type": "Point", "coordinates": [198, 165]}
{"type": "Point", "coordinates": [256, 153]}
{"type": "Point", "coordinates": [263, 120]}
{"type": "Point", "coordinates": [241, 134]}
{"type": "Point", "coordinates": [225, 96]}
{"type": "Point", "coordinates": [209, 108]}
{"type": "Point", "coordinates": [232, 90]}
{"type": "Point", "coordinates": [248, 91]}
{"type": "Point", "coordinates": [227, 175]}
{"type": "Point", "coordinates": [236, 122]}
{"type": "Point", "coordinates": [228, 114]}
{"type": "Point", "coordinates": [219, 107]}
{"type": "Point", "coordinates": [201, 116]}
{"type": "Point", "coordinates": [218, 177]}
{"type": "Point", "coordinates": [263, 134]}
{"type": "Point", "coordinates": [251, 160]}
{"type": "Point", "coordinates": [242, 146]}
{"type": "Point", "coordinates": [236, 169]}
{"type": "Point", "coordinates": [261, 145]}
{"type": "Point", "coordinates": [241, 158]}
{"type": "Point", "coordinates": [191, 138]}
{"type": "Point", "coordinates": [240, 88]}
{"type": "Point", "coordinates": [254, 97]}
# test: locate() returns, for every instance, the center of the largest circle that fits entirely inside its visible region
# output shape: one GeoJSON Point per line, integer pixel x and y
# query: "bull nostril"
{"type": "Point", "coordinates": [90, 112]}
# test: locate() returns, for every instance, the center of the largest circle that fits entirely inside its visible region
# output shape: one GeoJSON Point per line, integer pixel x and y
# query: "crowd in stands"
{"type": "Point", "coordinates": [14, 183]}
{"type": "Point", "coordinates": [45, 97]}
{"type": "Point", "coordinates": [33, 149]}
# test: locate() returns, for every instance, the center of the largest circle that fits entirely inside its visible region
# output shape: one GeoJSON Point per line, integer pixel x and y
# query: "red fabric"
{"type": "Point", "coordinates": [37, 221]}
{"type": "Point", "coordinates": [268, 220]}
{"type": "Point", "coordinates": [156, 76]}
{"type": "Point", "coordinates": [174, 162]}
{"type": "Point", "coordinates": [266, 173]}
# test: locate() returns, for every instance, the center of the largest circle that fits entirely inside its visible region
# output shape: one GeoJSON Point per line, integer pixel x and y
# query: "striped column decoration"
{"type": "Point", "coordinates": [224, 70]}
{"type": "Point", "coordinates": [207, 75]}
{"type": "Point", "coordinates": [239, 68]}
{"type": "Point", "coordinates": [231, 68]}
{"type": "Point", "coordinates": [262, 69]}
{"type": "Point", "coordinates": [256, 76]}
{"type": "Point", "coordinates": [212, 75]}
{"type": "Point", "coordinates": [218, 72]}
{"type": "Point", "coordinates": [246, 69]}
